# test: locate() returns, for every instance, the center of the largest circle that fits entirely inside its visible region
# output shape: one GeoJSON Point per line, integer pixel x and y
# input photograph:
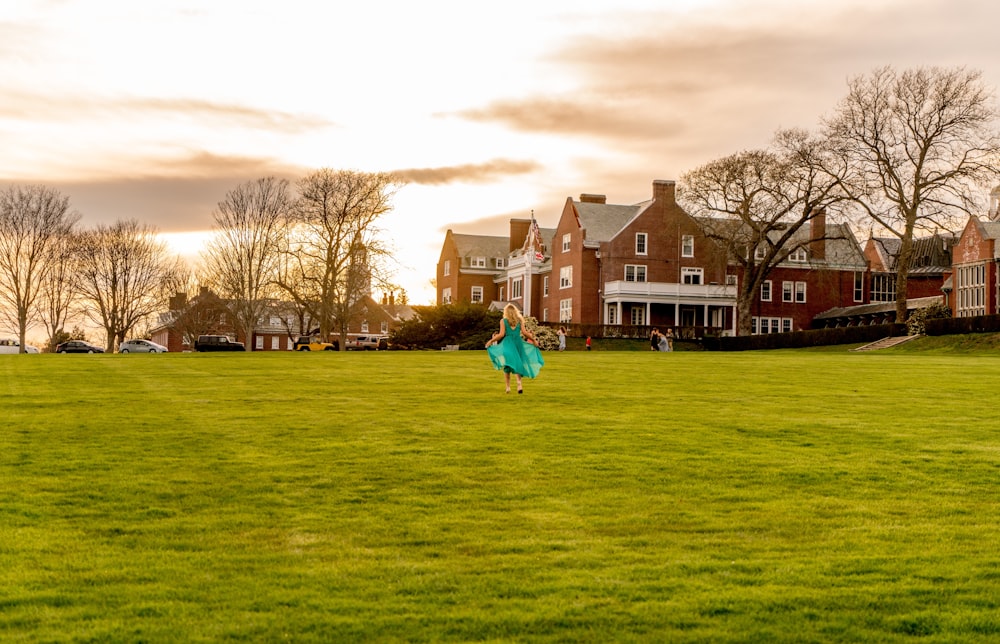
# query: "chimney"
{"type": "Point", "coordinates": [588, 198]}
{"type": "Point", "coordinates": [817, 247]}
{"type": "Point", "coordinates": [663, 190]}
{"type": "Point", "coordinates": [518, 233]}
{"type": "Point", "coordinates": [178, 301]}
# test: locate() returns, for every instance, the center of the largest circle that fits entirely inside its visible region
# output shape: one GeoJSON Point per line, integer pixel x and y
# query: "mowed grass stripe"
{"type": "Point", "coordinates": [403, 496]}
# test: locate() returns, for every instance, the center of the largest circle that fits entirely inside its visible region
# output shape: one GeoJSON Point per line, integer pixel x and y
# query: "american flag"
{"type": "Point", "coordinates": [534, 240]}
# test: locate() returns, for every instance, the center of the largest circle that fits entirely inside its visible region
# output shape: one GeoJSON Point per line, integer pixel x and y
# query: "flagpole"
{"type": "Point", "coordinates": [529, 256]}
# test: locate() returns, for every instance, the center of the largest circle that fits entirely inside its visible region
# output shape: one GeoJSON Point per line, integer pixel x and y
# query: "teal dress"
{"type": "Point", "coordinates": [514, 355]}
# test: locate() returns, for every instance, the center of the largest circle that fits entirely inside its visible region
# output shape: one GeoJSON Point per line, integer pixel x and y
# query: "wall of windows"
{"type": "Point", "coordinates": [970, 291]}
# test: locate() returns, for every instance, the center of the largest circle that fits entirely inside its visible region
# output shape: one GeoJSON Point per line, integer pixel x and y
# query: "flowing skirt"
{"type": "Point", "coordinates": [514, 355]}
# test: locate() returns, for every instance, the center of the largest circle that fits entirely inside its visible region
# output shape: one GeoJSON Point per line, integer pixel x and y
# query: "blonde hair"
{"type": "Point", "coordinates": [512, 315]}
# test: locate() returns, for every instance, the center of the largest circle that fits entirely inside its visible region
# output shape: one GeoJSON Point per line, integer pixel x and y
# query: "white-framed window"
{"type": "Point", "coordinates": [477, 294]}
{"type": "Point", "coordinates": [565, 242]}
{"type": "Point", "coordinates": [691, 275]}
{"type": "Point", "coordinates": [970, 290]}
{"type": "Point", "coordinates": [765, 291]}
{"type": "Point", "coordinates": [687, 246]}
{"type": "Point", "coordinates": [762, 326]}
{"type": "Point", "coordinates": [477, 262]}
{"type": "Point", "coordinates": [883, 287]}
{"type": "Point", "coordinates": [545, 285]}
{"type": "Point", "coordinates": [731, 280]}
{"type": "Point", "coordinates": [640, 243]}
{"type": "Point", "coordinates": [787, 291]}
{"type": "Point", "coordinates": [758, 252]}
{"type": "Point", "coordinates": [798, 255]}
{"type": "Point", "coordinates": [259, 343]}
{"type": "Point", "coordinates": [635, 273]}
{"type": "Point", "coordinates": [566, 310]}
{"type": "Point", "coordinates": [501, 262]}
{"type": "Point", "coordinates": [275, 343]}
{"type": "Point", "coordinates": [566, 277]}
{"type": "Point", "coordinates": [545, 315]}
{"type": "Point", "coordinates": [364, 326]}
{"type": "Point", "coordinates": [501, 294]}
{"type": "Point", "coordinates": [638, 315]}
{"type": "Point", "coordinates": [447, 267]}
{"type": "Point", "coordinates": [446, 296]}
{"type": "Point", "coordinates": [516, 287]}
{"type": "Point", "coordinates": [859, 286]}
{"type": "Point", "coordinates": [800, 292]}
{"type": "Point", "coordinates": [384, 327]}
{"type": "Point", "coordinates": [612, 314]}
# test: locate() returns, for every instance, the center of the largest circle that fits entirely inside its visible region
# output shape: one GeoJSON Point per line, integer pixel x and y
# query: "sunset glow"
{"type": "Point", "coordinates": [153, 111]}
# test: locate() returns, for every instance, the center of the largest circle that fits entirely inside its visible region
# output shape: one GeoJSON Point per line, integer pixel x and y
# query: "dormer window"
{"type": "Point", "coordinates": [478, 262]}
{"type": "Point", "coordinates": [501, 262]}
{"type": "Point", "coordinates": [798, 255]}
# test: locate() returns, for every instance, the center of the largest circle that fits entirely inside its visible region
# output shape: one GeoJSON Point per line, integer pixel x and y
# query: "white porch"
{"type": "Point", "coordinates": [706, 305]}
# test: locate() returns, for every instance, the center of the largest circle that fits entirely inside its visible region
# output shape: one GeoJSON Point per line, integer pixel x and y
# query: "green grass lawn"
{"type": "Point", "coordinates": [627, 496]}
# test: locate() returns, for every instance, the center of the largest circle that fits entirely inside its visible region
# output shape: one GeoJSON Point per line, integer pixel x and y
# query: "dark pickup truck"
{"type": "Point", "coordinates": [217, 343]}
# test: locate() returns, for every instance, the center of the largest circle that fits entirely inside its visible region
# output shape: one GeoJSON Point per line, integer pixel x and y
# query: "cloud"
{"type": "Point", "coordinates": [468, 173]}
{"type": "Point", "coordinates": [712, 83]}
{"type": "Point", "coordinates": [173, 195]}
{"type": "Point", "coordinates": [74, 108]}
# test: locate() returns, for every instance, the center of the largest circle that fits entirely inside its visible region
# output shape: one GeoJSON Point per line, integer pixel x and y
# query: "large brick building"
{"type": "Point", "coordinates": [974, 288]}
{"type": "Point", "coordinates": [648, 264]}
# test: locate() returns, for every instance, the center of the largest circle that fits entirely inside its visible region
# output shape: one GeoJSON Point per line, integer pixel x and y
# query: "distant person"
{"type": "Point", "coordinates": [654, 340]}
{"type": "Point", "coordinates": [513, 349]}
{"type": "Point", "coordinates": [562, 339]}
{"type": "Point", "coordinates": [588, 343]}
{"type": "Point", "coordinates": [661, 344]}
{"type": "Point", "coordinates": [670, 339]}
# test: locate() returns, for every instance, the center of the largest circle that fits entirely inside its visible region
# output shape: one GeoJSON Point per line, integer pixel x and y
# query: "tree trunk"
{"type": "Point", "coordinates": [903, 262]}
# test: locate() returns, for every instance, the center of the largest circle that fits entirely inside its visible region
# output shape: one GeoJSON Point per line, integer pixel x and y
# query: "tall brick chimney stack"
{"type": "Point", "coordinates": [817, 246]}
{"type": "Point", "coordinates": [589, 198]}
{"type": "Point", "coordinates": [665, 190]}
{"type": "Point", "coordinates": [518, 232]}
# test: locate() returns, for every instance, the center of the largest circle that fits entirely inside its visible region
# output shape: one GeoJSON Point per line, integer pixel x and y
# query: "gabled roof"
{"type": "Point", "coordinates": [603, 221]}
{"type": "Point", "coordinates": [991, 229]}
{"type": "Point", "coordinates": [930, 254]}
{"type": "Point", "coordinates": [841, 245]}
{"type": "Point", "coordinates": [481, 245]}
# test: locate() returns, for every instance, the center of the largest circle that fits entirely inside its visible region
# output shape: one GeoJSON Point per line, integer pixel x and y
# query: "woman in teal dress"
{"type": "Point", "coordinates": [512, 349]}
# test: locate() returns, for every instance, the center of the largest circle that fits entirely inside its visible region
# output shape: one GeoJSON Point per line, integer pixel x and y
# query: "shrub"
{"type": "Point", "coordinates": [917, 322]}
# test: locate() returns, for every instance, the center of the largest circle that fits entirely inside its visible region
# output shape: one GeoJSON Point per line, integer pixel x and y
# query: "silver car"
{"type": "Point", "coordinates": [141, 346]}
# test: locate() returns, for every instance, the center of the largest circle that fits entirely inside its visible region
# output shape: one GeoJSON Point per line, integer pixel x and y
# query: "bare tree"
{"type": "Point", "coordinates": [919, 146]}
{"type": "Point", "coordinates": [33, 219]}
{"type": "Point", "coordinates": [125, 275]}
{"type": "Point", "coordinates": [241, 261]}
{"type": "Point", "coordinates": [757, 205]}
{"type": "Point", "coordinates": [337, 250]}
{"type": "Point", "coordinates": [59, 291]}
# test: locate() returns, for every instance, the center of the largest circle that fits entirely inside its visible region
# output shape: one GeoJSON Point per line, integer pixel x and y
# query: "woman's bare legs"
{"type": "Point", "coordinates": [519, 389]}
{"type": "Point", "coordinates": [506, 379]}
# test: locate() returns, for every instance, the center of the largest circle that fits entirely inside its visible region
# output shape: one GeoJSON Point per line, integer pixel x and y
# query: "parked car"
{"type": "Point", "coordinates": [217, 343]}
{"type": "Point", "coordinates": [141, 346]}
{"type": "Point", "coordinates": [313, 343]}
{"type": "Point", "coordinates": [78, 346]}
{"type": "Point", "coordinates": [12, 345]}
{"type": "Point", "coordinates": [367, 343]}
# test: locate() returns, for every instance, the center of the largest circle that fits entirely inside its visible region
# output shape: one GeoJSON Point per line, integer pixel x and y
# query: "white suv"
{"type": "Point", "coordinates": [9, 345]}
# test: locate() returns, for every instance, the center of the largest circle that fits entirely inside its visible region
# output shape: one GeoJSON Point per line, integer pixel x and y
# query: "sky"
{"type": "Point", "coordinates": [154, 110]}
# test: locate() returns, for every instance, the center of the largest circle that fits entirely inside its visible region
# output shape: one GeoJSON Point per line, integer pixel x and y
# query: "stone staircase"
{"type": "Point", "coordinates": [885, 343]}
